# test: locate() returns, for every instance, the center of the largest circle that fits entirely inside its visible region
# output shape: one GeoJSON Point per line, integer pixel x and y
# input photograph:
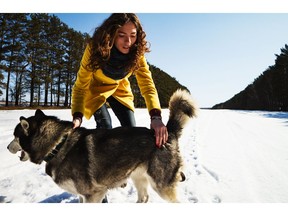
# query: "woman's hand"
{"type": "Point", "coordinates": [161, 133]}
{"type": "Point", "coordinates": [76, 122]}
{"type": "Point", "coordinates": [77, 119]}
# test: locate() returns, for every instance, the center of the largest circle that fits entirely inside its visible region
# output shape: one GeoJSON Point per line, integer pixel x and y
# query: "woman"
{"type": "Point", "coordinates": [115, 52]}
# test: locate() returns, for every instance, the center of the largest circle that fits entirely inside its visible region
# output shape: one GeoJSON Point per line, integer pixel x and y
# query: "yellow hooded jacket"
{"type": "Point", "coordinates": [92, 88]}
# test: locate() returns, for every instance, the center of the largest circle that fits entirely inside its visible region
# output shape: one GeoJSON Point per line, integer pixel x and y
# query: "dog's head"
{"type": "Point", "coordinates": [26, 138]}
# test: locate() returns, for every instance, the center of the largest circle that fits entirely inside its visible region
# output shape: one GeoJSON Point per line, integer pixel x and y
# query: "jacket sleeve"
{"type": "Point", "coordinates": [147, 86]}
{"type": "Point", "coordinates": [81, 85]}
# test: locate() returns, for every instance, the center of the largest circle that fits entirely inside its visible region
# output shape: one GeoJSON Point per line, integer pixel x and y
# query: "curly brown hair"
{"type": "Point", "coordinates": [103, 38]}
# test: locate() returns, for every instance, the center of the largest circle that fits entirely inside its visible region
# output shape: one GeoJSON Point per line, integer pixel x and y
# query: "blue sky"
{"type": "Point", "coordinates": [216, 55]}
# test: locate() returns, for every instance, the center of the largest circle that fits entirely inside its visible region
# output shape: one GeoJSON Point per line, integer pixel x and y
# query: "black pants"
{"type": "Point", "coordinates": [123, 113]}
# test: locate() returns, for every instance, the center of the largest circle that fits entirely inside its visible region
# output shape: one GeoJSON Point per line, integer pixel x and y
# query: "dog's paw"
{"type": "Point", "coordinates": [143, 199]}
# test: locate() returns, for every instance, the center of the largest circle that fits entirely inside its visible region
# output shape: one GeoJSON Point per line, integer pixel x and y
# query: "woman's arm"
{"type": "Point", "coordinates": [149, 92]}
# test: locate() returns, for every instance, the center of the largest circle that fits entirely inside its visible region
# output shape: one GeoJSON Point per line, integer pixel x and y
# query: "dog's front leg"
{"type": "Point", "coordinates": [141, 183]}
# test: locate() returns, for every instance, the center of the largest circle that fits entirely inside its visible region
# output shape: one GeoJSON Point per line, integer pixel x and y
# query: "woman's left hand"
{"type": "Point", "coordinates": [161, 133]}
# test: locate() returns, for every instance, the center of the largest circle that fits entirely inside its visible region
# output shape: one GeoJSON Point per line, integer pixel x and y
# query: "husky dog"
{"type": "Point", "coordinates": [88, 162]}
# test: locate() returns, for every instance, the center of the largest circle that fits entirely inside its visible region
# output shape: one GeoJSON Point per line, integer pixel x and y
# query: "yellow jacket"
{"type": "Point", "coordinates": [92, 88]}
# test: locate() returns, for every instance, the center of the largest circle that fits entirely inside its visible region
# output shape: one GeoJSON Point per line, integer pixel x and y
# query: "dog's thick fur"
{"type": "Point", "coordinates": [88, 162]}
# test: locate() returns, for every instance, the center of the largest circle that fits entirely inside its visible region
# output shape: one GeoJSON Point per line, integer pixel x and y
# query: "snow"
{"type": "Point", "coordinates": [231, 157]}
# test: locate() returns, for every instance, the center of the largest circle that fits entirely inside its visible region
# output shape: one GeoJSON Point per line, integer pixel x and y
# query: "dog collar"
{"type": "Point", "coordinates": [56, 149]}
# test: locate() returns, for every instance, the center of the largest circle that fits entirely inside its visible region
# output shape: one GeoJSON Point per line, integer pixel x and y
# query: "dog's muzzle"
{"type": "Point", "coordinates": [15, 147]}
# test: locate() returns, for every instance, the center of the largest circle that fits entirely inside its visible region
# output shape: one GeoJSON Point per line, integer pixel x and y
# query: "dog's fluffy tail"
{"type": "Point", "coordinates": [182, 107]}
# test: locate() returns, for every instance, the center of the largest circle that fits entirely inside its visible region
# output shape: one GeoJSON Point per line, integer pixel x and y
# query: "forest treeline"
{"type": "Point", "coordinates": [268, 92]}
{"type": "Point", "coordinates": [39, 59]}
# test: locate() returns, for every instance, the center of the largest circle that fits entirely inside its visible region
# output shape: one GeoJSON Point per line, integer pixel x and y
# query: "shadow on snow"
{"type": "Point", "coordinates": [62, 198]}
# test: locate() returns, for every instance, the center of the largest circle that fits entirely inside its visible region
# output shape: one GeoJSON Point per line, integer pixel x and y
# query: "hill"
{"type": "Point", "coordinates": [165, 85]}
{"type": "Point", "coordinates": [268, 92]}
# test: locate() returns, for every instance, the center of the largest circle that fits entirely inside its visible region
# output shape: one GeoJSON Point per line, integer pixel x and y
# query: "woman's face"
{"type": "Point", "coordinates": [126, 37]}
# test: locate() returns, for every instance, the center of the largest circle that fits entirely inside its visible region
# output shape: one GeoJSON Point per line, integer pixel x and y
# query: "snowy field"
{"type": "Point", "coordinates": [235, 157]}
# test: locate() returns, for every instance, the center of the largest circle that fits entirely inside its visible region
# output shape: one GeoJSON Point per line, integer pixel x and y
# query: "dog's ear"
{"type": "Point", "coordinates": [39, 113]}
{"type": "Point", "coordinates": [24, 124]}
